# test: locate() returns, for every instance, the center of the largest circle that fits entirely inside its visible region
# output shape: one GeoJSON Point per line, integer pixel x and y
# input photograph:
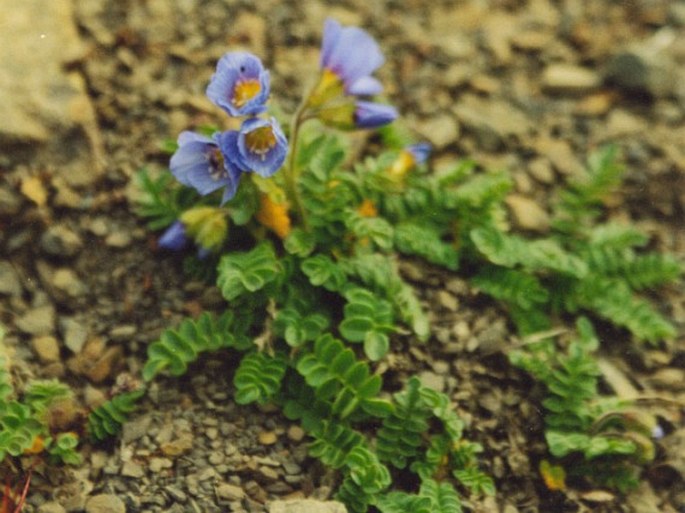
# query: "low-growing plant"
{"type": "Point", "coordinates": [306, 259]}
{"type": "Point", "coordinates": [25, 418]}
{"type": "Point", "coordinates": [303, 244]}
{"type": "Point", "coordinates": [592, 436]}
{"type": "Point", "coordinates": [583, 265]}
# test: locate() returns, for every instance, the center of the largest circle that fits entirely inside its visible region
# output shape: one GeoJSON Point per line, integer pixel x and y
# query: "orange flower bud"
{"type": "Point", "coordinates": [274, 216]}
{"type": "Point", "coordinates": [367, 209]}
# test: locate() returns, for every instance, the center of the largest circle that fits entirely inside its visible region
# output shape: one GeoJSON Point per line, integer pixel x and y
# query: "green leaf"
{"type": "Point", "coordinates": [322, 271]}
{"type": "Point", "coordinates": [258, 378]}
{"type": "Point", "coordinates": [178, 347]}
{"type": "Point", "coordinates": [514, 287]}
{"type": "Point", "coordinates": [240, 273]}
{"type": "Point", "coordinates": [425, 241]}
{"type": "Point", "coordinates": [376, 345]}
{"type": "Point", "coordinates": [367, 319]}
{"type": "Point", "coordinates": [443, 496]}
{"type": "Point", "coordinates": [106, 420]}
{"type": "Point", "coordinates": [300, 242]}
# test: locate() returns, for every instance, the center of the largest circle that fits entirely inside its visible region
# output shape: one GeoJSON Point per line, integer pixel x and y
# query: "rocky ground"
{"type": "Point", "coordinates": [89, 89]}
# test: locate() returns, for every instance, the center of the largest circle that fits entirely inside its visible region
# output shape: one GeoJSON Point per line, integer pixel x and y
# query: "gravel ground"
{"type": "Point", "coordinates": [528, 86]}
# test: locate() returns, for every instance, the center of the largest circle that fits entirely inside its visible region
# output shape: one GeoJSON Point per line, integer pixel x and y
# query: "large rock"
{"type": "Point", "coordinates": [47, 117]}
{"type": "Point", "coordinates": [647, 66]}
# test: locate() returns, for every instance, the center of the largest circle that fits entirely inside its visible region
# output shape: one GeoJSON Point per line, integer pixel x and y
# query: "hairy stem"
{"type": "Point", "coordinates": [290, 171]}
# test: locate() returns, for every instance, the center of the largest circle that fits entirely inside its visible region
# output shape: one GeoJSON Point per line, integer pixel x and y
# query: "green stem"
{"type": "Point", "coordinates": [290, 171]}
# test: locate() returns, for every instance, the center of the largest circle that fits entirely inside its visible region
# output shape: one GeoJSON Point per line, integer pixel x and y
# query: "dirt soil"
{"type": "Point", "coordinates": [528, 86]}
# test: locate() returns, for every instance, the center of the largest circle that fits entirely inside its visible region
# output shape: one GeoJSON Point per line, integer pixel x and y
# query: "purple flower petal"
{"type": "Point", "coordinates": [199, 163]}
{"type": "Point", "coordinates": [365, 86]}
{"type": "Point", "coordinates": [373, 115]}
{"type": "Point", "coordinates": [349, 52]}
{"type": "Point", "coordinates": [240, 84]}
{"type": "Point", "coordinates": [261, 146]}
{"type": "Point", "coordinates": [174, 238]}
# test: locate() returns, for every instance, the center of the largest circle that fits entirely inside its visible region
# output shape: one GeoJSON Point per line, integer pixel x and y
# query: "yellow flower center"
{"type": "Point", "coordinates": [330, 86]}
{"type": "Point", "coordinates": [260, 141]}
{"type": "Point", "coordinates": [244, 91]}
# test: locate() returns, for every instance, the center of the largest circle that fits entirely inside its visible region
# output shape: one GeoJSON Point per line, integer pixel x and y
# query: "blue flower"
{"type": "Point", "coordinates": [408, 158]}
{"type": "Point", "coordinates": [373, 115]}
{"type": "Point", "coordinates": [352, 55]}
{"type": "Point", "coordinates": [419, 152]}
{"type": "Point", "coordinates": [259, 146]}
{"type": "Point", "coordinates": [240, 85]}
{"type": "Point", "coordinates": [174, 238]}
{"type": "Point", "coordinates": [200, 162]}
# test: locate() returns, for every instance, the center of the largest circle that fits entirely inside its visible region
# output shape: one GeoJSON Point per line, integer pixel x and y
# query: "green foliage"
{"type": "Point", "coordinates": [297, 326]}
{"type": "Point", "coordinates": [179, 347]}
{"type": "Point", "coordinates": [241, 273]}
{"type": "Point", "coordinates": [322, 271]}
{"type": "Point", "coordinates": [401, 436]}
{"type": "Point", "coordinates": [579, 421]}
{"type": "Point", "coordinates": [24, 416]}
{"type": "Point", "coordinates": [420, 240]}
{"type": "Point", "coordinates": [443, 497]}
{"type": "Point", "coordinates": [64, 449]}
{"type": "Point", "coordinates": [161, 200]}
{"type": "Point", "coordinates": [326, 303]}
{"type": "Point", "coordinates": [258, 378]}
{"type": "Point", "coordinates": [368, 319]}
{"type": "Point", "coordinates": [337, 376]}
{"type": "Point", "coordinates": [106, 420]}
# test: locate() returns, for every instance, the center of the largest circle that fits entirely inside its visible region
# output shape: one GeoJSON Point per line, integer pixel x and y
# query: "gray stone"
{"type": "Point", "coordinates": [305, 506]}
{"type": "Point", "coordinates": [441, 131]}
{"type": "Point", "coordinates": [492, 122]}
{"type": "Point", "coordinates": [132, 469]}
{"type": "Point", "coordinates": [51, 507]}
{"type": "Point", "coordinates": [48, 119]}
{"type": "Point", "coordinates": [136, 428]}
{"type": "Point", "coordinates": [230, 492]}
{"type": "Point", "coordinates": [66, 282]}
{"type": "Point", "coordinates": [74, 334]}
{"type": "Point", "coordinates": [46, 348]}
{"type": "Point", "coordinates": [105, 503]}
{"type": "Point", "coordinates": [38, 321]}
{"type": "Point", "coordinates": [569, 79]}
{"type": "Point", "coordinates": [10, 283]}
{"type": "Point", "coordinates": [527, 213]}
{"type": "Point", "coordinates": [10, 202]}
{"type": "Point", "coordinates": [60, 241]}
{"type": "Point", "coordinates": [432, 380]}
{"type": "Point", "coordinates": [176, 493]}
{"type": "Point", "coordinates": [118, 239]}
{"type": "Point", "coordinates": [646, 66]}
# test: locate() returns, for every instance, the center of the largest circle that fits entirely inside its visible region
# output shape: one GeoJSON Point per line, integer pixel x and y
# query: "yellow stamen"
{"type": "Point", "coordinates": [260, 141]}
{"type": "Point", "coordinates": [244, 91]}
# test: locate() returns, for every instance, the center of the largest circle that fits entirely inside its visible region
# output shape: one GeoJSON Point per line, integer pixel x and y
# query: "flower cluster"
{"type": "Point", "coordinates": [240, 87]}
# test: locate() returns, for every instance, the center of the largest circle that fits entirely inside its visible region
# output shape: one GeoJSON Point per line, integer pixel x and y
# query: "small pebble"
{"type": "Point", "coordinates": [296, 433]}
{"type": "Point", "coordinates": [230, 492]}
{"type": "Point", "coordinates": [105, 503]}
{"type": "Point", "coordinates": [267, 438]}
